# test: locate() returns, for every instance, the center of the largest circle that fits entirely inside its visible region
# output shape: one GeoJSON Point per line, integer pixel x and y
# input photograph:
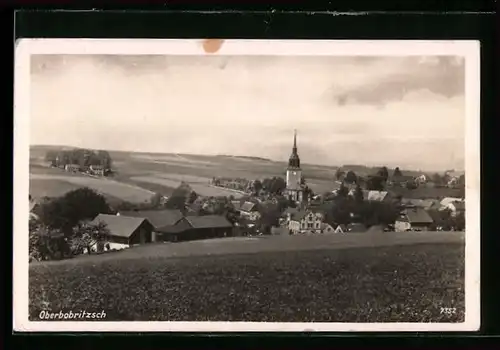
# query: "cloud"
{"type": "Point", "coordinates": [444, 76]}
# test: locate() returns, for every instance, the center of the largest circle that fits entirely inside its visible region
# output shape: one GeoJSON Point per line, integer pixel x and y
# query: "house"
{"type": "Point", "coordinates": [197, 227]}
{"type": "Point", "coordinates": [327, 228]}
{"type": "Point", "coordinates": [305, 221]}
{"type": "Point", "coordinates": [426, 204]}
{"type": "Point", "coordinates": [456, 207]}
{"type": "Point", "coordinates": [124, 231]}
{"type": "Point", "coordinates": [421, 179]}
{"type": "Point", "coordinates": [445, 202]}
{"type": "Point", "coordinates": [72, 168]}
{"type": "Point", "coordinates": [249, 211]}
{"type": "Point", "coordinates": [158, 218]}
{"type": "Point", "coordinates": [96, 170]}
{"type": "Point", "coordinates": [413, 219]}
{"type": "Point", "coordinates": [341, 229]}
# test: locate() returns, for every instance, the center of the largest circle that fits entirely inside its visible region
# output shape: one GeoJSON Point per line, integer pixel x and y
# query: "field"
{"type": "Point", "coordinates": [146, 173]}
{"type": "Point", "coordinates": [325, 280]}
{"type": "Point", "coordinates": [55, 185]}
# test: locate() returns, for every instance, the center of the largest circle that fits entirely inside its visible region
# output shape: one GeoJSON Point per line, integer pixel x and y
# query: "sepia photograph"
{"type": "Point", "coordinates": [246, 185]}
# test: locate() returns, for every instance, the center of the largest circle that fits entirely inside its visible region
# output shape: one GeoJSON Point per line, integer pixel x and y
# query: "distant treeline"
{"type": "Point", "coordinates": [79, 156]}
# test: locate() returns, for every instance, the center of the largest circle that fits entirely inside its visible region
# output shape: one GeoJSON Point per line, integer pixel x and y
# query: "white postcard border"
{"type": "Point", "coordinates": [27, 47]}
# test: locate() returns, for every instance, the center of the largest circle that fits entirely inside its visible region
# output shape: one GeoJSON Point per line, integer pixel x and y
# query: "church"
{"type": "Point", "coordinates": [294, 187]}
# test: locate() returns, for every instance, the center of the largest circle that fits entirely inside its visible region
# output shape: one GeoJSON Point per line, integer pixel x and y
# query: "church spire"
{"type": "Point", "coordinates": [294, 161]}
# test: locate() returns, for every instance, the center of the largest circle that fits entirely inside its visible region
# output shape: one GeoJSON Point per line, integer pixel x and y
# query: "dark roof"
{"type": "Point", "coordinates": [236, 204]}
{"type": "Point", "coordinates": [208, 221]}
{"type": "Point", "coordinates": [418, 216]}
{"type": "Point", "coordinates": [118, 225]}
{"type": "Point", "coordinates": [299, 215]}
{"type": "Point", "coordinates": [180, 226]}
{"type": "Point", "coordinates": [158, 218]}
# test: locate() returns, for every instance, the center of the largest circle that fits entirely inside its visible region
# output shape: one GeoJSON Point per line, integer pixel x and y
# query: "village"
{"type": "Point", "coordinates": [271, 206]}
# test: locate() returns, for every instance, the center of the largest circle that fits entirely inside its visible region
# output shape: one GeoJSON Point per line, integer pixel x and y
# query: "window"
{"type": "Point", "coordinates": [309, 225]}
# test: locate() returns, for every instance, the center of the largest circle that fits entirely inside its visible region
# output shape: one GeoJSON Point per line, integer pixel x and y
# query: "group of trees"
{"type": "Point", "coordinates": [83, 157]}
{"type": "Point", "coordinates": [63, 226]}
{"type": "Point", "coordinates": [447, 221]}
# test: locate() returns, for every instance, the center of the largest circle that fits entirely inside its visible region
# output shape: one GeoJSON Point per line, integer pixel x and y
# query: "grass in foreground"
{"type": "Point", "coordinates": [385, 284]}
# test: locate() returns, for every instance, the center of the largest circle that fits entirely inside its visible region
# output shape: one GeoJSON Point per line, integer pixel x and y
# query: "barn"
{"type": "Point", "coordinates": [192, 228]}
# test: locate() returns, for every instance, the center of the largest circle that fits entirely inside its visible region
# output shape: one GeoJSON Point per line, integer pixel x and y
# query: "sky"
{"type": "Point", "coordinates": [394, 111]}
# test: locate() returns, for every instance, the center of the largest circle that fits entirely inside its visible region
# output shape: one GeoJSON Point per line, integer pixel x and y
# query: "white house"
{"type": "Point", "coordinates": [305, 222]}
{"type": "Point", "coordinates": [445, 202]}
{"type": "Point", "coordinates": [249, 211]}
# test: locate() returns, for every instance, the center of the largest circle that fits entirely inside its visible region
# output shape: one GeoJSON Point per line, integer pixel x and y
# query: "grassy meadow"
{"type": "Point", "coordinates": [328, 281]}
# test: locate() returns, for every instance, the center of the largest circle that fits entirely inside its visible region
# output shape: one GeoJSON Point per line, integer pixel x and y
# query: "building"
{"type": "Point", "coordinates": [249, 211]}
{"type": "Point", "coordinates": [158, 218]}
{"type": "Point", "coordinates": [72, 168]}
{"type": "Point", "coordinates": [294, 187]}
{"type": "Point", "coordinates": [374, 196]}
{"type": "Point", "coordinates": [426, 204]}
{"type": "Point", "coordinates": [445, 202]}
{"type": "Point", "coordinates": [192, 228]}
{"type": "Point", "coordinates": [327, 228]}
{"type": "Point", "coordinates": [421, 179]}
{"type": "Point", "coordinates": [124, 231]}
{"type": "Point", "coordinates": [401, 180]}
{"type": "Point", "coordinates": [97, 170]}
{"type": "Point", "coordinates": [456, 207]}
{"type": "Point", "coordinates": [305, 221]}
{"type": "Point", "coordinates": [413, 219]}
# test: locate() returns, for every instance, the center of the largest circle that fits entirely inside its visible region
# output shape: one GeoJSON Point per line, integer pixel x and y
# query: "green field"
{"type": "Point", "coordinates": [325, 280]}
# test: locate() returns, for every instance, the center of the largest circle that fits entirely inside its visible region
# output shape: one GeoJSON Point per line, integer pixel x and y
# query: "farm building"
{"type": "Point", "coordinates": [158, 218]}
{"type": "Point", "coordinates": [327, 228]}
{"type": "Point", "coordinates": [197, 227]}
{"type": "Point", "coordinates": [249, 211]}
{"type": "Point", "coordinates": [125, 231]}
{"type": "Point", "coordinates": [413, 219]}
{"type": "Point", "coordinates": [426, 204]}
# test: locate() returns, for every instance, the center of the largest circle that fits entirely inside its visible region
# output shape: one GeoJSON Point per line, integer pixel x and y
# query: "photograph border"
{"type": "Point", "coordinates": [469, 49]}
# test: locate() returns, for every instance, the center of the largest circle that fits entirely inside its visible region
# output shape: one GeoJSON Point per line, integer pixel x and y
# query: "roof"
{"type": "Point", "coordinates": [158, 218]}
{"type": "Point", "coordinates": [208, 221]}
{"type": "Point", "coordinates": [119, 225]}
{"type": "Point", "coordinates": [180, 226]}
{"type": "Point", "coordinates": [291, 211]}
{"type": "Point", "coordinates": [325, 225]}
{"type": "Point", "coordinates": [448, 200]}
{"type": "Point", "coordinates": [417, 216]}
{"type": "Point", "coordinates": [376, 195]}
{"type": "Point", "coordinates": [236, 204]}
{"type": "Point", "coordinates": [460, 206]}
{"type": "Point", "coordinates": [247, 206]}
{"type": "Point", "coordinates": [299, 215]}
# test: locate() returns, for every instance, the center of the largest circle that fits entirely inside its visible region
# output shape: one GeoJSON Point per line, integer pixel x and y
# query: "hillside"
{"type": "Point", "coordinates": [386, 284]}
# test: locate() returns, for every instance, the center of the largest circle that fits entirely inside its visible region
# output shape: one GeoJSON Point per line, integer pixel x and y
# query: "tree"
{"type": "Point", "coordinates": [358, 195]}
{"type": "Point", "coordinates": [397, 172]}
{"type": "Point", "coordinates": [257, 186]}
{"type": "Point", "coordinates": [383, 173]}
{"type": "Point", "coordinates": [342, 192]}
{"type": "Point", "coordinates": [339, 174]}
{"type": "Point", "coordinates": [65, 212]}
{"type": "Point", "coordinates": [51, 156]}
{"type": "Point", "coordinates": [155, 200]}
{"type": "Point", "coordinates": [192, 197]}
{"type": "Point", "coordinates": [105, 159]}
{"type": "Point", "coordinates": [375, 183]}
{"type": "Point", "coordinates": [86, 235]}
{"type": "Point", "coordinates": [45, 243]}
{"type": "Point", "coordinates": [277, 185]}
{"type": "Point", "coordinates": [437, 179]}
{"type": "Point", "coordinates": [350, 177]}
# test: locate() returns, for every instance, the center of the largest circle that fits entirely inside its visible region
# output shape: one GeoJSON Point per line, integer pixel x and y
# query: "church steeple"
{"type": "Point", "coordinates": [294, 160]}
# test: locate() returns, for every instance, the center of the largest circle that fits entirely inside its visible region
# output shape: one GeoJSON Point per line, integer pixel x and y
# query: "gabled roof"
{"type": "Point", "coordinates": [236, 204]}
{"type": "Point", "coordinates": [208, 221]}
{"type": "Point", "coordinates": [247, 206]}
{"type": "Point", "coordinates": [158, 218]}
{"type": "Point", "coordinates": [180, 226]}
{"type": "Point", "coordinates": [448, 200]}
{"type": "Point", "coordinates": [120, 226]}
{"type": "Point", "coordinates": [417, 216]}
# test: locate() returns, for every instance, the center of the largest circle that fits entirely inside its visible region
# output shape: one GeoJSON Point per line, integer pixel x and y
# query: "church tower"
{"type": "Point", "coordinates": [294, 188]}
